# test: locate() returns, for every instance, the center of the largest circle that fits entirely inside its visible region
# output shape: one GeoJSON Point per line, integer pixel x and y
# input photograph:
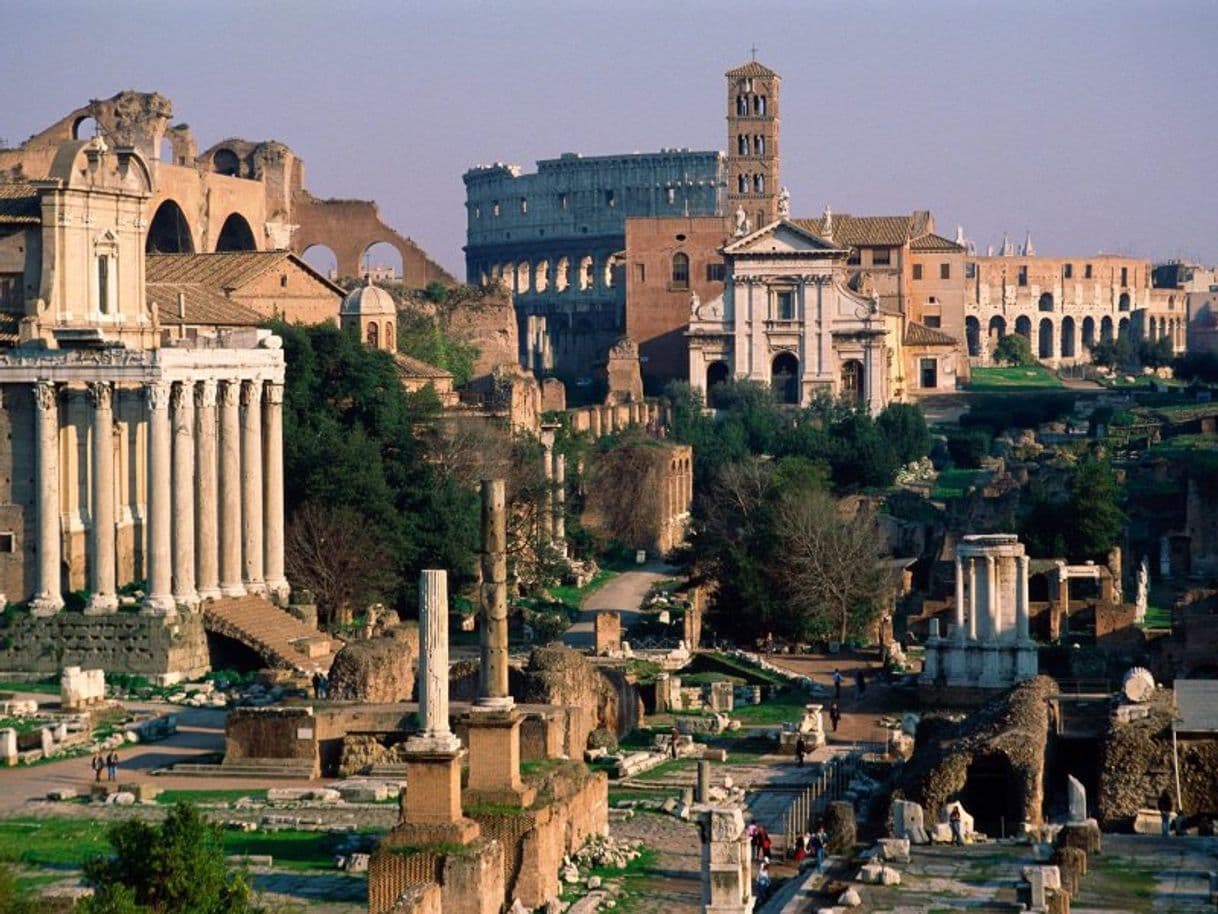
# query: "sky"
{"type": "Point", "coordinates": [1093, 125]}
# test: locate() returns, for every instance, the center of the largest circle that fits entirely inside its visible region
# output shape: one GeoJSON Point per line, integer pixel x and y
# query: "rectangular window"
{"type": "Point", "coordinates": [716, 272]}
{"type": "Point", "coordinates": [103, 285]}
{"type": "Point", "coordinates": [945, 271]}
{"type": "Point", "coordinates": [10, 290]}
{"type": "Point", "coordinates": [610, 198]}
{"type": "Point", "coordinates": [562, 201]}
{"type": "Point", "coordinates": [855, 258]}
{"type": "Point", "coordinates": [786, 305]}
{"type": "Point", "coordinates": [933, 320]}
{"type": "Point", "coordinates": [1068, 271]}
{"type": "Point", "coordinates": [8, 542]}
{"type": "Point", "coordinates": [917, 271]}
{"type": "Point", "coordinates": [1124, 276]}
{"type": "Point", "coordinates": [929, 373]}
{"type": "Point", "coordinates": [1087, 272]}
{"type": "Point", "coordinates": [881, 257]}
{"type": "Point", "coordinates": [1023, 276]}
{"type": "Point", "coordinates": [640, 272]}
{"type": "Point", "coordinates": [970, 270]}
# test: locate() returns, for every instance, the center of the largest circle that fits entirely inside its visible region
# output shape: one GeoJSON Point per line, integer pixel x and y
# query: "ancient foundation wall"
{"type": "Point", "coordinates": [168, 650]}
{"type": "Point", "coordinates": [469, 880]}
{"type": "Point", "coordinates": [286, 735]}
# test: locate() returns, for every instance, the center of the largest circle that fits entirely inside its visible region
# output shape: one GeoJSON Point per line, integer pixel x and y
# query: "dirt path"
{"type": "Point", "coordinates": [623, 593]}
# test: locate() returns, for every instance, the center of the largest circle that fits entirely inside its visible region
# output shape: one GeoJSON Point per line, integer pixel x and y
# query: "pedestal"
{"type": "Point", "coordinates": [494, 759]}
{"type": "Point", "coordinates": [1027, 664]}
{"type": "Point", "coordinates": [431, 805]}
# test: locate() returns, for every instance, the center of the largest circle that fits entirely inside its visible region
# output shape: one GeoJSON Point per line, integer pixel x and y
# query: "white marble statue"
{"type": "Point", "coordinates": [1143, 595]}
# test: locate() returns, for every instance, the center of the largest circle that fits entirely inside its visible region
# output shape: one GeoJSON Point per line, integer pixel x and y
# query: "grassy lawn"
{"type": "Point", "coordinates": [1013, 378]}
{"type": "Point", "coordinates": [787, 706]}
{"type": "Point", "coordinates": [709, 662]}
{"type": "Point", "coordinates": [573, 597]}
{"type": "Point", "coordinates": [169, 797]}
{"type": "Point", "coordinates": [954, 483]}
{"type": "Point", "coordinates": [635, 879]}
{"type": "Point", "coordinates": [41, 686]}
{"type": "Point", "coordinates": [1157, 616]}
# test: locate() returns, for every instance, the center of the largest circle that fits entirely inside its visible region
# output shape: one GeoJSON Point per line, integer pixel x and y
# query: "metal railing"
{"type": "Point", "coordinates": [831, 783]}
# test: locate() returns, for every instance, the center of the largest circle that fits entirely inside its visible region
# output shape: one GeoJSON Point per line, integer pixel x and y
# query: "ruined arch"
{"type": "Point", "coordinates": [541, 276]}
{"type": "Point", "coordinates": [972, 336]}
{"type": "Point", "coordinates": [1044, 348]}
{"type": "Point", "coordinates": [997, 330]}
{"type": "Point", "coordinates": [1045, 303]}
{"type": "Point", "coordinates": [1106, 330]}
{"type": "Point", "coordinates": [1068, 350]}
{"type": "Point", "coordinates": [85, 127]}
{"type": "Point", "coordinates": [1023, 326]}
{"type": "Point", "coordinates": [226, 162]}
{"type": "Point", "coordinates": [322, 259]}
{"type": "Point", "coordinates": [236, 235]}
{"type": "Point", "coordinates": [1088, 332]}
{"type": "Point", "coordinates": [169, 232]}
{"type": "Point", "coordinates": [1123, 329]}
{"type": "Point", "coordinates": [784, 377]}
{"type": "Point", "coordinates": [384, 261]}
{"type": "Point", "coordinates": [1123, 302]}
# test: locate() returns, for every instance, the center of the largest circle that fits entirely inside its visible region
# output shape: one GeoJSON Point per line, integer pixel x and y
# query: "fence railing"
{"type": "Point", "coordinates": [830, 784]}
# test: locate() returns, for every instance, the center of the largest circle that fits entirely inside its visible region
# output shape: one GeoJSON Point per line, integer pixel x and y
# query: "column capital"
{"type": "Point", "coordinates": [101, 394]}
{"type": "Point", "coordinates": [46, 395]}
{"type": "Point", "coordinates": [251, 393]}
{"type": "Point", "coordinates": [181, 395]}
{"type": "Point", "coordinates": [227, 393]}
{"type": "Point", "coordinates": [157, 394]}
{"type": "Point", "coordinates": [205, 393]}
{"type": "Point", "coordinates": [272, 392]}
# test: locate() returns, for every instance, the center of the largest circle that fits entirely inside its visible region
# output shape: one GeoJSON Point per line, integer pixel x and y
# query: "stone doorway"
{"type": "Point", "coordinates": [989, 795]}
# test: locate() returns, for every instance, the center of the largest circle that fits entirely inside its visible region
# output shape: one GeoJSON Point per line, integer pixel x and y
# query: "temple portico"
{"type": "Point", "coordinates": [214, 478]}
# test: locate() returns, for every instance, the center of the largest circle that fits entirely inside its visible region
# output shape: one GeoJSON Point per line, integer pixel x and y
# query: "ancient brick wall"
{"type": "Point", "coordinates": [291, 294]}
{"type": "Point", "coordinates": [285, 734]}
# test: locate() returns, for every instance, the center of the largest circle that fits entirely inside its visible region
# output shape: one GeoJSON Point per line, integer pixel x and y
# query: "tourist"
{"type": "Point", "coordinates": [766, 844]}
{"type": "Point", "coordinates": [837, 683]}
{"type": "Point", "coordinates": [860, 683]}
{"type": "Point", "coordinates": [112, 766]}
{"type": "Point", "coordinates": [1165, 810]}
{"type": "Point", "coordinates": [98, 766]}
{"type": "Point", "coordinates": [674, 740]}
{"type": "Point", "coordinates": [820, 844]}
{"type": "Point", "coordinates": [800, 748]}
{"type": "Point", "coordinates": [957, 825]}
{"type": "Point", "coordinates": [763, 882]}
{"type": "Point", "coordinates": [802, 849]}
{"type": "Point", "coordinates": [317, 684]}
{"type": "Point", "coordinates": [835, 715]}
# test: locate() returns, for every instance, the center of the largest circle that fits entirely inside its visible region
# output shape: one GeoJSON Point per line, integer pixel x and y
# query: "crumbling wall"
{"type": "Point", "coordinates": [557, 675]}
{"type": "Point", "coordinates": [378, 670]}
{"type": "Point", "coordinates": [287, 735]}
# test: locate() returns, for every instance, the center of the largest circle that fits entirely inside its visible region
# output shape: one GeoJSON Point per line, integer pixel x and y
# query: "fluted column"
{"type": "Point", "coordinates": [272, 491]}
{"type": "Point", "coordinates": [1021, 598]}
{"type": "Point", "coordinates": [251, 486]}
{"type": "Point", "coordinates": [547, 513]}
{"type": "Point", "coordinates": [159, 599]}
{"type": "Point", "coordinates": [182, 402]}
{"type": "Point", "coordinates": [435, 735]}
{"type": "Point", "coordinates": [230, 491]}
{"type": "Point", "coordinates": [560, 501]}
{"type": "Point", "coordinates": [101, 513]}
{"type": "Point", "coordinates": [972, 598]}
{"type": "Point", "coordinates": [991, 598]}
{"type": "Point", "coordinates": [48, 599]}
{"type": "Point", "coordinates": [958, 610]}
{"type": "Point", "coordinates": [207, 546]}
{"type": "Point", "coordinates": [494, 687]}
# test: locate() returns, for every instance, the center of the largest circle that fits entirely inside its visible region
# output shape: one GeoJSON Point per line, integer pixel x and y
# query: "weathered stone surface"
{"type": "Point", "coordinates": [894, 850]}
{"type": "Point", "coordinates": [1138, 685]}
{"type": "Point", "coordinates": [839, 825]}
{"type": "Point", "coordinates": [1077, 795]}
{"type": "Point", "coordinates": [908, 822]}
{"type": "Point", "coordinates": [378, 670]}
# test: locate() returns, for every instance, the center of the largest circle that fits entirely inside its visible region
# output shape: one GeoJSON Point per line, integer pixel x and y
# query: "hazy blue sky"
{"type": "Point", "coordinates": [1094, 124]}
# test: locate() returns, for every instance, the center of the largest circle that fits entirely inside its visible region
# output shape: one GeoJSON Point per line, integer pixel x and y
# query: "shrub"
{"type": "Point", "coordinates": [968, 448]}
{"type": "Point", "coordinates": [1014, 349]}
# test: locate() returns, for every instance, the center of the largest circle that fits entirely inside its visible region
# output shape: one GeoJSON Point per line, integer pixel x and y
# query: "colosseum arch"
{"type": "Point", "coordinates": [1106, 330]}
{"type": "Point", "coordinates": [236, 235]}
{"type": "Point", "coordinates": [524, 276]}
{"type": "Point", "coordinates": [1045, 303]}
{"type": "Point", "coordinates": [586, 277]}
{"type": "Point", "coordinates": [972, 336]}
{"type": "Point", "coordinates": [169, 232]}
{"type": "Point", "coordinates": [562, 275]}
{"type": "Point", "coordinates": [1088, 331]}
{"type": "Point", "coordinates": [541, 276]}
{"type": "Point", "coordinates": [996, 331]}
{"type": "Point", "coordinates": [1045, 334]}
{"type": "Point", "coordinates": [1023, 326]}
{"type": "Point", "coordinates": [1068, 350]}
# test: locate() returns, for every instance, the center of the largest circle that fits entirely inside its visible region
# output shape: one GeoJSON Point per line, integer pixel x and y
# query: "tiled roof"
{"type": "Point", "coordinates": [229, 270]}
{"type": "Point", "coordinates": [202, 306]}
{"type": "Point", "coordinates": [19, 205]}
{"type": "Point", "coordinates": [10, 324]}
{"type": "Point", "coordinates": [861, 231]}
{"type": "Point", "coordinates": [752, 68]}
{"type": "Point", "coordinates": [410, 367]}
{"type": "Point", "coordinates": [932, 242]}
{"type": "Point", "coordinates": [920, 335]}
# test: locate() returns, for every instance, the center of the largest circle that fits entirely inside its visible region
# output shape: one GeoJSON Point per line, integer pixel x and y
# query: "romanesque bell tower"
{"type": "Point", "coordinates": [752, 143]}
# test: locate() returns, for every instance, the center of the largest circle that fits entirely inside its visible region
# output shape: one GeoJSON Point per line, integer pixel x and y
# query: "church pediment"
{"type": "Point", "coordinates": [781, 237]}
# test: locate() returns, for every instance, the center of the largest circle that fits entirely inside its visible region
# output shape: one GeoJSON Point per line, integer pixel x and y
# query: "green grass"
{"type": "Point", "coordinates": [1157, 616]}
{"type": "Point", "coordinates": [1012, 378]}
{"type": "Point", "coordinates": [169, 797]}
{"type": "Point", "coordinates": [573, 597]}
{"type": "Point", "coordinates": [635, 880]}
{"type": "Point", "coordinates": [954, 483]}
{"type": "Point", "coordinates": [785, 707]}
{"type": "Point", "coordinates": [1118, 884]}
{"type": "Point", "coordinates": [41, 686]}
{"type": "Point", "coordinates": [721, 663]}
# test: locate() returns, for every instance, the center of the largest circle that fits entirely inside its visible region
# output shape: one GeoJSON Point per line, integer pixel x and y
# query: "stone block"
{"type": "Point", "coordinates": [1148, 822]}
{"type": "Point", "coordinates": [908, 822]}
{"type": "Point", "coordinates": [889, 876]}
{"type": "Point", "coordinates": [871, 874]}
{"type": "Point", "coordinates": [607, 632]}
{"type": "Point", "coordinates": [62, 795]}
{"type": "Point", "coordinates": [8, 746]}
{"type": "Point", "coordinates": [850, 898]}
{"type": "Point", "coordinates": [894, 850]}
{"type": "Point", "coordinates": [840, 827]}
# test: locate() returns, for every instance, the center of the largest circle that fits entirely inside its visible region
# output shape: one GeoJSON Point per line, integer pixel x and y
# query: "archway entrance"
{"type": "Point", "coordinates": [383, 262]}
{"type": "Point", "coordinates": [784, 378]}
{"type": "Point", "coordinates": [972, 335]}
{"type": "Point", "coordinates": [997, 330]}
{"type": "Point", "coordinates": [852, 380]}
{"type": "Point", "coordinates": [1106, 330]}
{"type": "Point", "coordinates": [169, 232]}
{"type": "Point", "coordinates": [1045, 346]}
{"type": "Point", "coordinates": [716, 373]}
{"type": "Point", "coordinates": [1088, 332]}
{"type": "Point", "coordinates": [236, 235]}
{"type": "Point", "coordinates": [1023, 326]}
{"type": "Point", "coordinates": [991, 795]}
{"type": "Point", "coordinates": [321, 259]}
{"type": "Point", "coordinates": [1067, 338]}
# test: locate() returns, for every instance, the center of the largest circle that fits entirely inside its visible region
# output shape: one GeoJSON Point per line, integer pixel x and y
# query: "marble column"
{"type": "Point", "coordinates": [102, 575]}
{"type": "Point", "coordinates": [1021, 598]}
{"type": "Point", "coordinates": [547, 466]}
{"type": "Point", "coordinates": [207, 558]}
{"type": "Point", "coordinates": [272, 491]}
{"type": "Point", "coordinates": [972, 598]}
{"type": "Point", "coordinates": [230, 491]}
{"type": "Point", "coordinates": [958, 609]}
{"type": "Point", "coordinates": [158, 562]}
{"type": "Point", "coordinates": [560, 502]}
{"type": "Point", "coordinates": [435, 735]}
{"type": "Point", "coordinates": [182, 403]}
{"type": "Point", "coordinates": [494, 686]}
{"type": "Point", "coordinates": [991, 598]}
{"type": "Point", "coordinates": [251, 486]}
{"type": "Point", "coordinates": [48, 598]}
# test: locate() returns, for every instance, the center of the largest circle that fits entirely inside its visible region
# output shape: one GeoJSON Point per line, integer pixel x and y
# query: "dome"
{"type": "Point", "coordinates": [368, 300]}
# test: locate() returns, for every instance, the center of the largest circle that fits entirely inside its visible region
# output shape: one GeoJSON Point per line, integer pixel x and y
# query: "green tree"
{"type": "Point", "coordinates": [904, 426]}
{"type": "Point", "coordinates": [176, 867]}
{"type": "Point", "coordinates": [1096, 519]}
{"type": "Point", "coordinates": [14, 899]}
{"type": "Point", "coordinates": [1015, 349]}
{"type": "Point", "coordinates": [424, 337]}
{"type": "Point", "coordinates": [1155, 353]}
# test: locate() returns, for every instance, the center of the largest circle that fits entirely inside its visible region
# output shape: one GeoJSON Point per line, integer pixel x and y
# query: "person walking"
{"type": "Point", "coordinates": [835, 715]}
{"type": "Point", "coordinates": [98, 766]}
{"type": "Point", "coordinates": [1166, 808]}
{"type": "Point", "coordinates": [837, 684]}
{"type": "Point", "coordinates": [676, 738]}
{"type": "Point", "coordinates": [112, 766]}
{"type": "Point", "coordinates": [800, 748]}
{"type": "Point", "coordinates": [763, 882]}
{"type": "Point", "coordinates": [860, 685]}
{"type": "Point", "coordinates": [957, 825]}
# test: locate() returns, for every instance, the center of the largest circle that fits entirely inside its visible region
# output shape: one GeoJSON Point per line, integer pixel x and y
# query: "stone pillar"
{"type": "Point", "coordinates": [958, 609]}
{"type": "Point", "coordinates": [991, 598]}
{"type": "Point", "coordinates": [102, 577]}
{"type": "Point", "coordinates": [547, 467]}
{"type": "Point", "coordinates": [230, 491]}
{"type": "Point", "coordinates": [158, 561]}
{"type": "Point", "coordinates": [972, 598]}
{"type": "Point", "coordinates": [272, 490]}
{"type": "Point", "coordinates": [1021, 598]}
{"type": "Point", "coordinates": [183, 408]}
{"type": "Point", "coordinates": [493, 691]}
{"type": "Point", "coordinates": [251, 486]}
{"type": "Point", "coordinates": [433, 666]}
{"type": "Point", "coordinates": [48, 599]}
{"type": "Point", "coordinates": [594, 423]}
{"type": "Point", "coordinates": [560, 502]}
{"type": "Point", "coordinates": [727, 877]}
{"type": "Point", "coordinates": [207, 559]}
{"type": "Point", "coordinates": [704, 778]}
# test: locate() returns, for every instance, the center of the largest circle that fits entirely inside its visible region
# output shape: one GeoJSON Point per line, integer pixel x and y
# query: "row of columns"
{"type": "Point", "coordinates": [985, 623]}
{"type": "Point", "coordinates": [214, 494]}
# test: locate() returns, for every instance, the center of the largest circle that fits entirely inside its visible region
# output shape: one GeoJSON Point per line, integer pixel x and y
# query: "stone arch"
{"type": "Point", "coordinates": [541, 276]}
{"type": "Point", "coordinates": [784, 377]}
{"type": "Point", "coordinates": [226, 162]}
{"type": "Point", "coordinates": [972, 336]}
{"type": "Point", "coordinates": [322, 259]}
{"type": "Point", "coordinates": [165, 152]}
{"type": "Point", "coordinates": [716, 373]}
{"type": "Point", "coordinates": [1045, 302]}
{"type": "Point", "coordinates": [524, 276]}
{"type": "Point", "coordinates": [382, 258]}
{"type": "Point", "coordinates": [1068, 350]}
{"type": "Point", "coordinates": [1023, 326]}
{"type": "Point", "coordinates": [1088, 331]}
{"type": "Point", "coordinates": [586, 276]}
{"type": "Point", "coordinates": [169, 232]}
{"type": "Point", "coordinates": [562, 274]}
{"type": "Point", "coordinates": [1044, 346]}
{"type": "Point", "coordinates": [1162, 328]}
{"type": "Point", "coordinates": [1123, 302]}
{"type": "Point", "coordinates": [373, 338]}
{"type": "Point", "coordinates": [996, 330]}
{"type": "Point", "coordinates": [85, 127]}
{"type": "Point", "coordinates": [1106, 329]}
{"type": "Point", "coordinates": [236, 235]}
{"type": "Point", "coordinates": [1123, 329]}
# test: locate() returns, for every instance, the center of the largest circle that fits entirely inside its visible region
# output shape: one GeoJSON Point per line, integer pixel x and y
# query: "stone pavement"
{"type": "Point", "coordinates": [319, 893]}
{"type": "Point", "coordinates": [623, 593]}
{"type": "Point", "coordinates": [673, 884]}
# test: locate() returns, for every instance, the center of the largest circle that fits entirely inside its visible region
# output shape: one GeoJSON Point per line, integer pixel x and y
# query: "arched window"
{"type": "Point", "coordinates": [1046, 302]}
{"type": "Point", "coordinates": [169, 233]}
{"type": "Point", "coordinates": [759, 145]}
{"type": "Point", "coordinates": [236, 235]}
{"type": "Point", "coordinates": [742, 184]}
{"type": "Point", "coordinates": [1123, 302]}
{"type": "Point", "coordinates": [388, 334]}
{"type": "Point", "coordinates": [680, 271]}
{"type": "Point", "coordinates": [742, 144]}
{"type": "Point", "coordinates": [374, 335]}
{"type": "Point", "coordinates": [759, 184]}
{"type": "Point", "coordinates": [742, 104]}
{"type": "Point", "coordinates": [972, 334]}
{"type": "Point", "coordinates": [1045, 339]}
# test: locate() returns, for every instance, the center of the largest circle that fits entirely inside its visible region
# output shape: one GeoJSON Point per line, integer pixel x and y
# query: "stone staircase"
{"type": "Point", "coordinates": [280, 638]}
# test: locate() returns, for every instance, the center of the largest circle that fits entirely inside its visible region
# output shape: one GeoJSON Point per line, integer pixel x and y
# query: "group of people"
{"type": "Point", "coordinates": [108, 764]}
{"type": "Point", "coordinates": [761, 844]}
{"type": "Point", "coordinates": [321, 685]}
{"type": "Point", "coordinates": [812, 846]}
{"type": "Point", "coordinates": [860, 684]}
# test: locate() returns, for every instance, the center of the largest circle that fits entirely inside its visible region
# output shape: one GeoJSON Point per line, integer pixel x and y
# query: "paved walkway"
{"type": "Point", "coordinates": [623, 593]}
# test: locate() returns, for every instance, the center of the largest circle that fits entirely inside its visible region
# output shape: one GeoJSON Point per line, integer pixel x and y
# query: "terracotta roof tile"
{"type": "Point", "coordinates": [752, 68]}
{"type": "Point", "coordinates": [862, 231]}
{"type": "Point", "coordinates": [410, 367]}
{"type": "Point", "coordinates": [920, 335]}
{"type": "Point", "coordinates": [202, 306]}
{"type": "Point", "coordinates": [932, 242]}
{"type": "Point", "coordinates": [19, 205]}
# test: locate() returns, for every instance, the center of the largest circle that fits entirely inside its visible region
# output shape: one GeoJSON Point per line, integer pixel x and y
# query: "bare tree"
{"type": "Point", "coordinates": [624, 492]}
{"type": "Point", "coordinates": [332, 552]}
{"type": "Point", "coordinates": [830, 563]}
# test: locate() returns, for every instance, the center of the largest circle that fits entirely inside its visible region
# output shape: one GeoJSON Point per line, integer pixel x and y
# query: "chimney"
{"type": "Point", "coordinates": [182, 305]}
